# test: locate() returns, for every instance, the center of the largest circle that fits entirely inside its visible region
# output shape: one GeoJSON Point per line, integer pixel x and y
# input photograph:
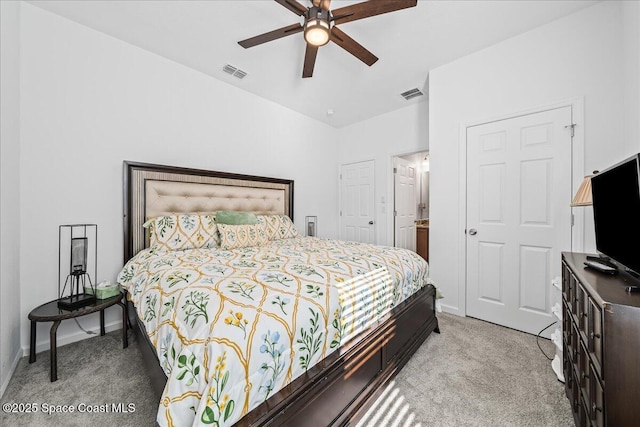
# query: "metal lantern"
{"type": "Point", "coordinates": [77, 252]}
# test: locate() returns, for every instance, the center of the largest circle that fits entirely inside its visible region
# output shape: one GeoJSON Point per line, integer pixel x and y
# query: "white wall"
{"type": "Point", "coordinates": [577, 56]}
{"type": "Point", "coordinates": [9, 194]}
{"type": "Point", "coordinates": [631, 73]}
{"type": "Point", "coordinates": [90, 101]}
{"type": "Point", "coordinates": [381, 138]}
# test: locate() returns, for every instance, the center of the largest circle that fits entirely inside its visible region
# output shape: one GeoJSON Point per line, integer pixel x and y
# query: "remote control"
{"type": "Point", "coordinates": [601, 267]}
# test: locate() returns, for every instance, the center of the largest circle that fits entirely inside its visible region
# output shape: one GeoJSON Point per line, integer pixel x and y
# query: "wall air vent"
{"type": "Point", "coordinates": [411, 93]}
{"type": "Point", "coordinates": [236, 72]}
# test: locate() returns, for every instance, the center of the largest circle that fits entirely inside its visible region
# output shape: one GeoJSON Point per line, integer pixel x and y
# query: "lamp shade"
{"type": "Point", "coordinates": [317, 32]}
{"type": "Point", "coordinates": [583, 195]}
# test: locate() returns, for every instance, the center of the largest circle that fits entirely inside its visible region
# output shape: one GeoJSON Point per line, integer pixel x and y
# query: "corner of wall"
{"type": "Point", "coordinates": [6, 377]}
{"type": "Point", "coordinates": [10, 350]}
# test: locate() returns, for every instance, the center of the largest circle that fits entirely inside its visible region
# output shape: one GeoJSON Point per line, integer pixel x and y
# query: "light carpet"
{"type": "Point", "coordinates": [473, 374]}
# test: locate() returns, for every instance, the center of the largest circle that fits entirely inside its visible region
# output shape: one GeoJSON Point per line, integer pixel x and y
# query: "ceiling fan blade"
{"type": "Point", "coordinates": [271, 35]}
{"type": "Point", "coordinates": [309, 60]}
{"type": "Point", "coordinates": [353, 47]}
{"type": "Point", "coordinates": [369, 8]}
{"type": "Point", "coordinates": [293, 6]}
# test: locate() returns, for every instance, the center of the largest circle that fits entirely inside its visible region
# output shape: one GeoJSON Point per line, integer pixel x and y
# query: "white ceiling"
{"type": "Point", "coordinates": [203, 35]}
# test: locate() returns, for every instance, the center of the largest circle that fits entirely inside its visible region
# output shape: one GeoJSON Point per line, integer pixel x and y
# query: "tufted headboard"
{"type": "Point", "coordinates": [154, 190]}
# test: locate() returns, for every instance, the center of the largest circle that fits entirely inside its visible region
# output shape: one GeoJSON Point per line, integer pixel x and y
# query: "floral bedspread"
{"type": "Point", "coordinates": [231, 328]}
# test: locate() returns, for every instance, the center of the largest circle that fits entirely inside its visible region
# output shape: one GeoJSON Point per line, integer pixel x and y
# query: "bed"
{"type": "Point", "coordinates": [287, 331]}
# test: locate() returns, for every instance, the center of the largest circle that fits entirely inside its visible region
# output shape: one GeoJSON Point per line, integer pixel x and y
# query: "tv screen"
{"type": "Point", "coordinates": [616, 210]}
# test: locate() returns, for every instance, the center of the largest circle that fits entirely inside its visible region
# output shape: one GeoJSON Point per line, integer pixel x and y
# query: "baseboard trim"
{"type": "Point", "coordinates": [74, 337]}
{"type": "Point", "coordinates": [452, 310]}
{"type": "Point", "coordinates": [12, 369]}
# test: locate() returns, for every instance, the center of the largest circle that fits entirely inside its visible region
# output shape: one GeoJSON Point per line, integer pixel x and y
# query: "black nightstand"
{"type": "Point", "coordinates": [50, 312]}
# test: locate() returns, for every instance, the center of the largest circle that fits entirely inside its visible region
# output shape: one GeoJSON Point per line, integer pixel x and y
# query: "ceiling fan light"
{"type": "Point", "coordinates": [317, 32]}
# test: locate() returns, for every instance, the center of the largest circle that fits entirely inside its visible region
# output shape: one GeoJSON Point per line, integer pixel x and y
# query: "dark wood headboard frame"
{"type": "Point", "coordinates": [131, 168]}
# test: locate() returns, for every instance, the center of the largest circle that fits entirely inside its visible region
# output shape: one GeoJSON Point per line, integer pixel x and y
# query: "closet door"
{"type": "Point", "coordinates": [357, 212]}
{"type": "Point", "coordinates": [518, 216]}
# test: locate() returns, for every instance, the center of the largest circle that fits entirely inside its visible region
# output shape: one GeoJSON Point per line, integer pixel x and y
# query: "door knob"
{"type": "Point", "coordinates": [473, 231]}
{"type": "Point", "coordinates": [370, 222]}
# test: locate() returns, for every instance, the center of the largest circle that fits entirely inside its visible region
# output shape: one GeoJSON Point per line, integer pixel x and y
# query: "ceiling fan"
{"type": "Point", "coordinates": [318, 28]}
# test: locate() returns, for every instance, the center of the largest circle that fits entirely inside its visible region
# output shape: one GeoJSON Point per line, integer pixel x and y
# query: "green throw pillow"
{"type": "Point", "coordinates": [235, 218]}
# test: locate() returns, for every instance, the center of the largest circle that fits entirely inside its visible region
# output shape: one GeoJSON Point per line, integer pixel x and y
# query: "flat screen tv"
{"type": "Point", "coordinates": [616, 210]}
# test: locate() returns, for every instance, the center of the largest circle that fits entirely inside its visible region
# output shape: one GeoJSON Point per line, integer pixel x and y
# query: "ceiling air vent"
{"type": "Point", "coordinates": [411, 93]}
{"type": "Point", "coordinates": [236, 72]}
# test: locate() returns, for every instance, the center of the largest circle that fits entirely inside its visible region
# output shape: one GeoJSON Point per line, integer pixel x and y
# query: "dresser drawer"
{"type": "Point", "coordinates": [566, 283]}
{"type": "Point", "coordinates": [584, 373]}
{"type": "Point", "coordinates": [566, 322]}
{"type": "Point", "coordinates": [575, 342]}
{"type": "Point", "coordinates": [596, 404]}
{"type": "Point", "coordinates": [573, 294]}
{"type": "Point", "coordinates": [574, 397]}
{"type": "Point", "coordinates": [595, 335]}
{"type": "Point", "coordinates": [567, 364]}
{"type": "Point", "coordinates": [583, 414]}
{"type": "Point", "coordinates": [582, 310]}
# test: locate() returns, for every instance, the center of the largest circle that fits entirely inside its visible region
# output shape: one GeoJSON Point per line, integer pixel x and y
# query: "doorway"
{"type": "Point", "coordinates": [518, 218]}
{"type": "Point", "coordinates": [411, 201]}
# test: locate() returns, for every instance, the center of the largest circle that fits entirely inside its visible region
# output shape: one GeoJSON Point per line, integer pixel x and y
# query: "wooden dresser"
{"type": "Point", "coordinates": [422, 240]}
{"type": "Point", "coordinates": [601, 349]}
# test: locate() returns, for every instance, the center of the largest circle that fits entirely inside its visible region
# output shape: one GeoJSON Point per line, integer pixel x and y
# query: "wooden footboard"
{"type": "Point", "coordinates": [339, 389]}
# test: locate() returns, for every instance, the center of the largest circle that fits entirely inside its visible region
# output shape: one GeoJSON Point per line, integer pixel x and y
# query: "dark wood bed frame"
{"type": "Point", "coordinates": [340, 388]}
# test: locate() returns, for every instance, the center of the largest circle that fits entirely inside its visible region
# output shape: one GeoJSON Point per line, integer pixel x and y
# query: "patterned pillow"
{"type": "Point", "coordinates": [242, 236]}
{"type": "Point", "coordinates": [279, 226]}
{"type": "Point", "coordinates": [185, 231]}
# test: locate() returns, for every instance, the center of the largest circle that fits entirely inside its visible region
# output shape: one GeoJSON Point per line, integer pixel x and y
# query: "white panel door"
{"type": "Point", "coordinates": [518, 216]}
{"type": "Point", "coordinates": [405, 204]}
{"type": "Point", "coordinates": [357, 202]}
